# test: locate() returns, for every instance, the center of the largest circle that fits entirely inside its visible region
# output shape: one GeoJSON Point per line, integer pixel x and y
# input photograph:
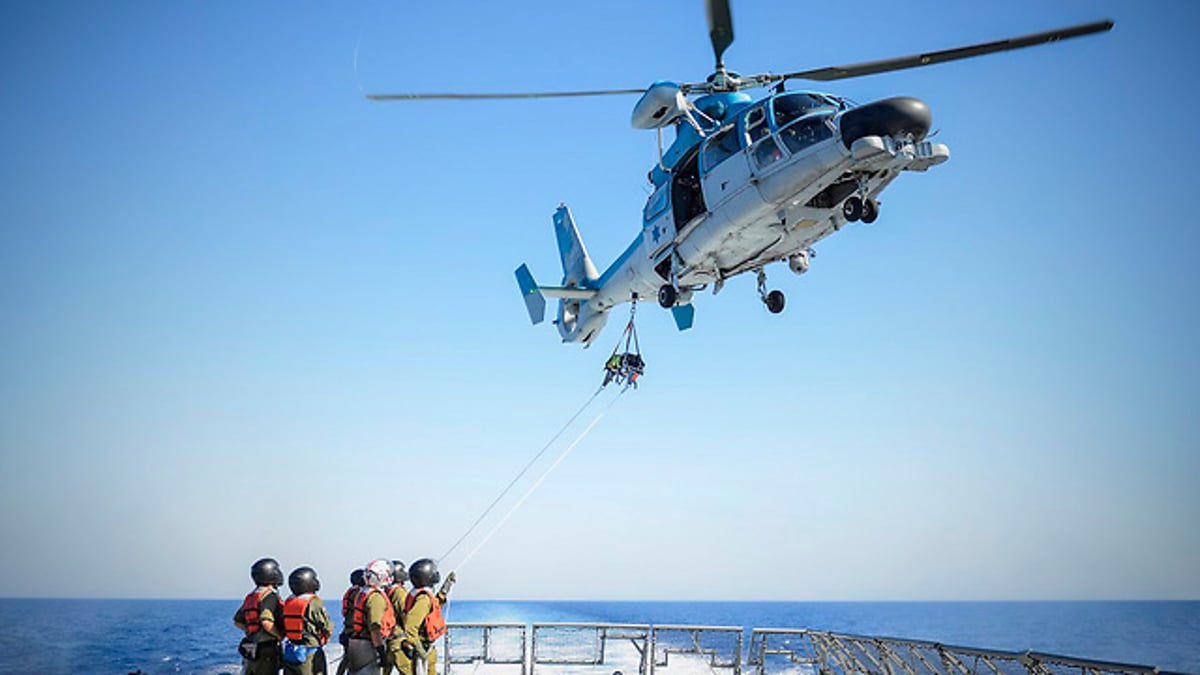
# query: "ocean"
{"type": "Point", "coordinates": [198, 636]}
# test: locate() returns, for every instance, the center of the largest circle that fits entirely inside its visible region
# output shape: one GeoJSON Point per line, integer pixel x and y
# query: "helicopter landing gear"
{"type": "Point", "coordinates": [852, 209]}
{"type": "Point", "coordinates": [773, 300]}
{"type": "Point", "coordinates": [870, 211]}
{"type": "Point", "coordinates": [855, 209]}
{"type": "Point", "coordinates": [667, 295]}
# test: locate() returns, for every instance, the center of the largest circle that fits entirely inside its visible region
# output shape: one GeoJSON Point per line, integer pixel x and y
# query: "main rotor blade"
{"type": "Point", "coordinates": [471, 97]}
{"type": "Point", "coordinates": [930, 58]}
{"type": "Point", "coordinates": [720, 27]}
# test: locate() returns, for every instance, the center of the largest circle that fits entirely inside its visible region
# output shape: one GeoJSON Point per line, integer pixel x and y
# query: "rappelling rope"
{"type": "Point", "coordinates": [630, 332]}
{"type": "Point", "coordinates": [522, 473]}
{"type": "Point", "coordinates": [543, 477]}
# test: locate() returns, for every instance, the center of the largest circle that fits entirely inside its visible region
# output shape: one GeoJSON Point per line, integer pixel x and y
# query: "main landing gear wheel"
{"type": "Point", "coordinates": [852, 209]}
{"type": "Point", "coordinates": [870, 211]}
{"type": "Point", "coordinates": [775, 301]}
{"type": "Point", "coordinates": [667, 295]}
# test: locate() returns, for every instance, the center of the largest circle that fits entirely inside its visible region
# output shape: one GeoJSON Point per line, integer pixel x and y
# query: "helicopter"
{"type": "Point", "coordinates": [746, 182]}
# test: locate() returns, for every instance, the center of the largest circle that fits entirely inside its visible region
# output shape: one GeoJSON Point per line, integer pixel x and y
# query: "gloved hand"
{"type": "Point", "coordinates": [418, 649]}
{"type": "Point", "coordinates": [450, 579]}
{"type": "Point", "coordinates": [381, 654]}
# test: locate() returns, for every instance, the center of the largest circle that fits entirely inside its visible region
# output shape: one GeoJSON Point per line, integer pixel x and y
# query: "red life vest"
{"type": "Point", "coordinates": [293, 617]}
{"type": "Point", "coordinates": [252, 610]}
{"type": "Point", "coordinates": [348, 601]}
{"type": "Point", "coordinates": [435, 625]}
{"type": "Point", "coordinates": [360, 614]}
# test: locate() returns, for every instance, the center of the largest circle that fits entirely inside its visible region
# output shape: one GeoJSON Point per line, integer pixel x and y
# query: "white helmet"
{"type": "Point", "coordinates": [379, 573]}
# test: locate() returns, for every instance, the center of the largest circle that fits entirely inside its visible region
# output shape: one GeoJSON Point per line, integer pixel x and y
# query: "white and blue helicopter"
{"type": "Point", "coordinates": [746, 182]}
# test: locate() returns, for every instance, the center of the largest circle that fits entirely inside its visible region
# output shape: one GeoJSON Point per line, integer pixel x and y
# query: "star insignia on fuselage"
{"type": "Point", "coordinates": [656, 233]}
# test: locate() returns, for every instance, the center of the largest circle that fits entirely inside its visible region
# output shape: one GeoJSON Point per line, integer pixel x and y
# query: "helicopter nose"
{"type": "Point", "coordinates": [897, 116]}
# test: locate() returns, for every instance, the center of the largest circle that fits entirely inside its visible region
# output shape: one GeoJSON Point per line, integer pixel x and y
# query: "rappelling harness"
{"type": "Point", "coordinates": [625, 367]}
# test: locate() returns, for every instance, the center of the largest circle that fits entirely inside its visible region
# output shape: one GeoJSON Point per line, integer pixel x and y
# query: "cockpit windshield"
{"type": "Point", "coordinates": [791, 106]}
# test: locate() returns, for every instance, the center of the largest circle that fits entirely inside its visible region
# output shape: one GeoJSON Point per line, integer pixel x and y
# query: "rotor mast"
{"type": "Point", "coordinates": [720, 31]}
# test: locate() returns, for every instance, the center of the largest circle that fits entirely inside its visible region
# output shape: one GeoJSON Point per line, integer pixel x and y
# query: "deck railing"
{"type": "Point", "coordinates": [629, 649]}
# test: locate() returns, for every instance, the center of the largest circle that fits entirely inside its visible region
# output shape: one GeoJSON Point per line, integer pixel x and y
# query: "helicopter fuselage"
{"type": "Point", "coordinates": [766, 181]}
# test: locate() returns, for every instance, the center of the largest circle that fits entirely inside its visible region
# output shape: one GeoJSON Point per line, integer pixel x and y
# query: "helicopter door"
{"type": "Point", "coordinates": [687, 199]}
{"type": "Point", "coordinates": [725, 169]}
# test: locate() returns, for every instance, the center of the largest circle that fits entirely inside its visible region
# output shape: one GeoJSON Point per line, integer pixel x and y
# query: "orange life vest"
{"type": "Point", "coordinates": [293, 617]}
{"type": "Point", "coordinates": [360, 614]}
{"type": "Point", "coordinates": [435, 625]}
{"type": "Point", "coordinates": [252, 610]}
{"type": "Point", "coordinates": [348, 600]}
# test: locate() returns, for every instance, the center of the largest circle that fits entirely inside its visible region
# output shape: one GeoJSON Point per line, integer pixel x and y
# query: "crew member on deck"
{"type": "Point", "coordinates": [397, 593]}
{"type": "Point", "coordinates": [257, 616]}
{"type": "Point", "coordinates": [356, 584]}
{"type": "Point", "coordinates": [423, 622]}
{"type": "Point", "coordinates": [373, 621]}
{"type": "Point", "coordinates": [306, 625]}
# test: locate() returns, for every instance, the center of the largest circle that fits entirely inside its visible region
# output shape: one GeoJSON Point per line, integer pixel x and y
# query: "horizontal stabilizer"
{"type": "Point", "coordinates": [684, 315]}
{"type": "Point", "coordinates": [534, 302]}
{"type": "Point", "coordinates": [535, 296]}
{"type": "Point", "coordinates": [567, 293]}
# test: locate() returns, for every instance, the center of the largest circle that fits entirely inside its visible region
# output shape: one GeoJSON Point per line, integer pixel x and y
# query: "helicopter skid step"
{"type": "Point", "coordinates": [882, 152]}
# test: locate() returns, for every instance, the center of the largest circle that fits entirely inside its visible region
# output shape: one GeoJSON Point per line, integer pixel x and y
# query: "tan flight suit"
{"type": "Point", "coordinates": [414, 629]}
{"type": "Point", "coordinates": [269, 654]}
{"type": "Point", "coordinates": [397, 659]}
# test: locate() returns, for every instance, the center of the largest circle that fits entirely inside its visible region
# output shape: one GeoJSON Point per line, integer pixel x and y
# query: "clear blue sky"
{"type": "Point", "coordinates": [245, 312]}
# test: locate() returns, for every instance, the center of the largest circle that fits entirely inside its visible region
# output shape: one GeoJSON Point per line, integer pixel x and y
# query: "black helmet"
{"type": "Point", "coordinates": [303, 580]}
{"type": "Point", "coordinates": [266, 572]}
{"type": "Point", "coordinates": [357, 578]}
{"type": "Point", "coordinates": [399, 575]}
{"type": "Point", "coordinates": [424, 573]}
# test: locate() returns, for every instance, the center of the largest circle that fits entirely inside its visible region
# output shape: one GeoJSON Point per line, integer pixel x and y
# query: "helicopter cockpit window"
{"type": "Point", "coordinates": [720, 147]}
{"type": "Point", "coordinates": [756, 124]}
{"type": "Point", "coordinates": [766, 153]}
{"type": "Point", "coordinates": [807, 132]}
{"type": "Point", "coordinates": [791, 106]}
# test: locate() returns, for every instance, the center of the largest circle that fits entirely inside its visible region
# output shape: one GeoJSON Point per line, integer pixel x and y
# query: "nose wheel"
{"type": "Point", "coordinates": [774, 300]}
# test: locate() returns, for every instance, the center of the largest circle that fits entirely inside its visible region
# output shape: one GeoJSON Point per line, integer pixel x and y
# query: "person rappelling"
{"type": "Point", "coordinates": [625, 367]}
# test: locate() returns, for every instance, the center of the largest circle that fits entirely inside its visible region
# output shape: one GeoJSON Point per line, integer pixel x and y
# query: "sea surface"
{"type": "Point", "coordinates": [198, 636]}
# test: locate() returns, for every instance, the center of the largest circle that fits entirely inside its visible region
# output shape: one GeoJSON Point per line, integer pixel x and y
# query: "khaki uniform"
{"type": "Point", "coordinates": [414, 630]}
{"type": "Point", "coordinates": [317, 629]}
{"type": "Point", "coordinates": [375, 609]}
{"type": "Point", "coordinates": [396, 658]}
{"type": "Point", "coordinates": [268, 654]}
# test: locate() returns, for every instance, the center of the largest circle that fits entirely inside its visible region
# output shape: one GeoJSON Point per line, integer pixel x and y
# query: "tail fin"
{"type": "Point", "coordinates": [578, 268]}
{"type": "Point", "coordinates": [578, 321]}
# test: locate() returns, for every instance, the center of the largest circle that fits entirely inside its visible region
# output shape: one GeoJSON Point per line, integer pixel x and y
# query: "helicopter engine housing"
{"type": "Point", "coordinates": [662, 104]}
